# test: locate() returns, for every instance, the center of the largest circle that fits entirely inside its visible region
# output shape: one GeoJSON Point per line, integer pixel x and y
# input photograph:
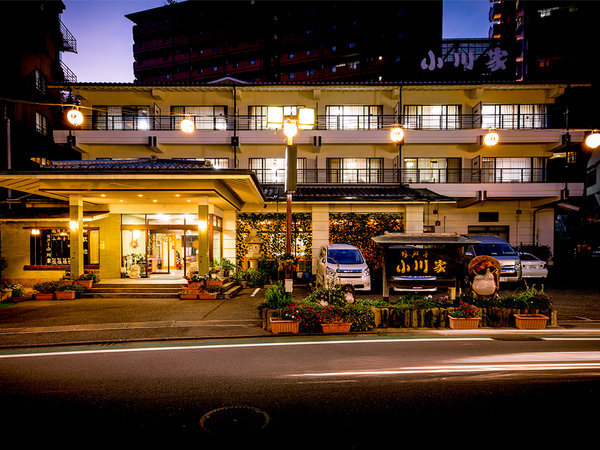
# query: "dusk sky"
{"type": "Point", "coordinates": [105, 40]}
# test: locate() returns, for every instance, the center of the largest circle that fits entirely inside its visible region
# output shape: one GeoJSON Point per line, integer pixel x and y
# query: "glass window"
{"type": "Point", "coordinates": [514, 116]}
{"type": "Point", "coordinates": [339, 256]}
{"type": "Point", "coordinates": [272, 170]}
{"type": "Point", "coordinates": [353, 117]}
{"type": "Point", "coordinates": [354, 170]}
{"type": "Point", "coordinates": [41, 124]}
{"type": "Point", "coordinates": [431, 170]}
{"type": "Point", "coordinates": [205, 117]}
{"type": "Point", "coordinates": [51, 247]}
{"type": "Point", "coordinates": [432, 117]}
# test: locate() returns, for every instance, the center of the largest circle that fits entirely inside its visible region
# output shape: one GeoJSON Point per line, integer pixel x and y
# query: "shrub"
{"type": "Point", "coordinates": [308, 313]}
{"type": "Point", "coordinates": [419, 301]}
{"type": "Point", "coordinates": [46, 287]}
{"type": "Point", "coordinates": [464, 311]}
{"type": "Point", "coordinates": [69, 287]}
{"type": "Point", "coordinates": [361, 316]}
{"type": "Point", "coordinates": [332, 296]}
{"type": "Point", "coordinates": [277, 297]}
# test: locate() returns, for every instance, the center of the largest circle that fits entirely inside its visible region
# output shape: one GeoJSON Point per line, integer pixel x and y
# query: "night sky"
{"type": "Point", "coordinates": [105, 40]}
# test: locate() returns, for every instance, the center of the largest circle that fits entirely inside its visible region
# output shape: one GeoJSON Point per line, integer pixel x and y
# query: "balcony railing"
{"type": "Point", "coordinates": [407, 176]}
{"type": "Point", "coordinates": [329, 122]}
{"type": "Point", "coordinates": [69, 43]}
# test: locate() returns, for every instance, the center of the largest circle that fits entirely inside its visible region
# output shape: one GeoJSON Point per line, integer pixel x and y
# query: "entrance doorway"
{"type": "Point", "coordinates": [165, 246]}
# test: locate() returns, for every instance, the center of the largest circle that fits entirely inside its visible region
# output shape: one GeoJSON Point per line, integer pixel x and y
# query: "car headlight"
{"type": "Point", "coordinates": [329, 271]}
{"type": "Point", "coordinates": [517, 266]}
{"type": "Point", "coordinates": [366, 272]}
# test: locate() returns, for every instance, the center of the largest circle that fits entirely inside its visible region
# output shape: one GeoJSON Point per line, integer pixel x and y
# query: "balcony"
{"type": "Point", "coordinates": [69, 43]}
{"type": "Point", "coordinates": [410, 176]}
{"type": "Point", "coordinates": [505, 122]}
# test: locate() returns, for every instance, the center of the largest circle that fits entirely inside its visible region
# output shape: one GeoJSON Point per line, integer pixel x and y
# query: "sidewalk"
{"type": "Point", "coordinates": [104, 321]}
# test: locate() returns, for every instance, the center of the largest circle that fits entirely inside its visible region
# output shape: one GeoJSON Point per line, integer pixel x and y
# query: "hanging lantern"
{"type": "Point", "coordinates": [593, 139]}
{"type": "Point", "coordinates": [397, 134]}
{"type": "Point", "coordinates": [491, 138]}
{"type": "Point", "coordinates": [187, 125]}
{"type": "Point", "coordinates": [74, 117]}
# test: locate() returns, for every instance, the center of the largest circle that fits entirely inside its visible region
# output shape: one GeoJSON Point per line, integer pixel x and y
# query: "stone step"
{"type": "Point", "coordinates": [122, 294]}
{"type": "Point", "coordinates": [232, 291]}
{"type": "Point", "coordinates": [134, 289]}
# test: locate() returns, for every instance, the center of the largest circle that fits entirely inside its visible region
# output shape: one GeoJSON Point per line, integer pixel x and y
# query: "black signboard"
{"type": "Point", "coordinates": [430, 263]}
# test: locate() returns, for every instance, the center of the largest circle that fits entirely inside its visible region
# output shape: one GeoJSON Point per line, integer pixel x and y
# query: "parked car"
{"type": "Point", "coordinates": [342, 264]}
{"type": "Point", "coordinates": [533, 267]}
{"type": "Point", "coordinates": [501, 250]}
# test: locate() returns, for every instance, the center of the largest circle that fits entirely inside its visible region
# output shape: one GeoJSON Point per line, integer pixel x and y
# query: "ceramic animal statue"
{"type": "Point", "coordinates": [134, 271]}
{"type": "Point", "coordinates": [484, 271]}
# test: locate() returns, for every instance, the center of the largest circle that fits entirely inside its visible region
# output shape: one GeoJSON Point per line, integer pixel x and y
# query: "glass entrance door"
{"type": "Point", "coordinates": [165, 252]}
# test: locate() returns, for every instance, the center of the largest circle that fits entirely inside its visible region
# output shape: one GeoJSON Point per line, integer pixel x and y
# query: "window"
{"type": "Point", "coordinates": [354, 117]}
{"type": "Point", "coordinates": [40, 81]}
{"type": "Point", "coordinates": [258, 115]}
{"type": "Point", "coordinates": [496, 230]}
{"type": "Point", "coordinates": [219, 163]}
{"type": "Point", "coordinates": [272, 170]}
{"type": "Point", "coordinates": [513, 170]}
{"type": "Point", "coordinates": [489, 217]}
{"type": "Point", "coordinates": [132, 117]}
{"type": "Point", "coordinates": [432, 117]}
{"type": "Point", "coordinates": [354, 170]}
{"type": "Point", "coordinates": [41, 124]}
{"type": "Point", "coordinates": [51, 247]}
{"type": "Point", "coordinates": [514, 116]}
{"type": "Point", "coordinates": [205, 117]}
{"type": "Point", "coordinates": [431, 170]}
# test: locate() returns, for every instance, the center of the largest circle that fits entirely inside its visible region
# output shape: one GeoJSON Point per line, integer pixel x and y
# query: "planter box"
{"type": "Point", "coordinates": [214, 282]}
{"type": "Point", "coordinates": [284, 326]}
{"type": "Point", "coordinates": [43, 296]}
{"type": "Point", "coordinates": [464, 323]}
{"type": "Point", "coordinates": [85, 283]}
{"type": "Point", "coordinates": [65, 295]}
{"type": "Point", "coordinates": [188, 296]}
{"type": "Point", "coordinates": [336, 327]}
{"type": "Point", "coordinates": [207, 295]}
{"type": "Point", "coordinates": [194, 285]}
{"type": "Point", "coordinates": [531, 321]}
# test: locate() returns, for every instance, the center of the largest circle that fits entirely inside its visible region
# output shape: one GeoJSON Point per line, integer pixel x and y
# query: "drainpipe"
{"type": "Point", "coordinates": [8, 151]}
{"type": "Point", "coordinates": [234, 140]}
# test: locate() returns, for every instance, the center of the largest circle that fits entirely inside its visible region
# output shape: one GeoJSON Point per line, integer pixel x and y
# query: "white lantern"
{"type": "Point", "coordinates": [593, 139]}
{"type": "Point", "coordinates": [397, 134]}
{"type": "Point", "coordinates": [274, 117]}
{"type": "Point", "coordinates": [491, 138]}
{"type": "Point", "coordinates": [187, 126]}
{"type": "Point", "coordinates": [306, 118]}
{"type": "Point", "coordinates": [75, 117]}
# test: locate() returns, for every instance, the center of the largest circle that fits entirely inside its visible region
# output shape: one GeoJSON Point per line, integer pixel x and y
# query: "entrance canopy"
{"type": "Point", "coordinates": [139, 182]}
{"type": "Point", "coordinates": [424, 239]}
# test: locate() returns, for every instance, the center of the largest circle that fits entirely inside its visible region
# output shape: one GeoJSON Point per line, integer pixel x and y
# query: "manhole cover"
{"type": "Point", "coordinates": [234, 419]}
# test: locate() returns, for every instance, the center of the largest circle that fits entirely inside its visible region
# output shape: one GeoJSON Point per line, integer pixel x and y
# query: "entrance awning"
{"type": "Point", "coordinates": [139, 182]}
{"type": "Point", "coordinates": [424, 239]}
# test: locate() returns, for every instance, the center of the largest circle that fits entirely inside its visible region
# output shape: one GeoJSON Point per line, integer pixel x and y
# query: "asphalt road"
{"type": "Point", "coordinates": [354, 394]}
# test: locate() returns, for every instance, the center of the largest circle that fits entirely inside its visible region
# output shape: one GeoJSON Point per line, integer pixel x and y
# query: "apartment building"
{"type": "Point", "coordinates": [145, 192]}
{"type": "Point", "coordinates": [291, 41]}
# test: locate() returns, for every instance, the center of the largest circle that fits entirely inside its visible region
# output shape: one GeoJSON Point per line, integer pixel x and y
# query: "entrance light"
{"type": "Point", "coordinates": [202, 225]}
{"type": "Point", "coordinates": [593, 139]}
{"type": "Point", "coordinates": [74, 116]}
{"type": "Point", "coordinates": [35, 231]}
{"type": "Point", "coordinates": [73, 225]}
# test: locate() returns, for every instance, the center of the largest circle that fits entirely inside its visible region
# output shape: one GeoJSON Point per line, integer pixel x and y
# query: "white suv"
{"type": "Point", "coordinates": [342, 264]}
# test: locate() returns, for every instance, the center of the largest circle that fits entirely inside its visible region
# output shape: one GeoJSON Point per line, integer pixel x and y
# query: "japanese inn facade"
{"type": "Point", "coordinates": [146, 193]}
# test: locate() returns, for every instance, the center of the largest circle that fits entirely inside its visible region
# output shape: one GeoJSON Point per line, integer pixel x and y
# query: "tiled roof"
{"type": "Point", "coordinates": [353, 192]}
{"type": "Point", "coordinates": [128, 164]}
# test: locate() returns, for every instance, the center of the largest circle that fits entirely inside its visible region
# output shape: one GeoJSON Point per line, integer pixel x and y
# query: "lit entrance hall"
{"type": "Point", "coordinates": [128, 219]}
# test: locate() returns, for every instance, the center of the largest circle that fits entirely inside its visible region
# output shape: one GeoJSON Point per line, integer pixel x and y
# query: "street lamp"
{"type": "Point", "coordinates": [303, 120]}
{"type": "Point", "coordinates": [491, 138]}
{"type": "Point", "coordinates": [74, 116]}
{"type": "Point", "coordinates": [397, 136]}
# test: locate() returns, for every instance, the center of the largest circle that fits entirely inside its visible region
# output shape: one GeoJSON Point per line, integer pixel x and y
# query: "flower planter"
{"type": "Point", "coordinates": [39, 296]}
{"type": "Point", "coordinates": [214, 282]}
{"type": "Point", "coordinates": [531, 321]}
{"type": "Point", "coordinates": [466, 323]}
{"type": "Point", "coordinates": [85, 283]}
{"type": "Point", "coordinates": [340, 327]}
{"type": "Point", "coordinates": [279, 326]}
{"type": "Point", "coordinates": [194, 285]}
{"type": "Point", "coordinates": [191, 296]}
{"type": "Point", "coordinates": [207, 295]}
{"type": "Point", "coordinates": [65, 295]}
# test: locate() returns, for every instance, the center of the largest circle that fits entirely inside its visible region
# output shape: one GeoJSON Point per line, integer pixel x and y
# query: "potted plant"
{"type": "Point", "coordinates": [86, 280]}
{"type": "Point", "coordinates": [533, 299]}
{"type": "Point", "coordinates": [187, 295]}
{"type": "Point", "coordinates": [196, 282]}
{"type": "Point", "coordinates": [17, 290]}
{"type": "Point", "coordinates": [45, 290]}
{"type": "Point", "coordinates": [226, 266]}
{"type": "Point", "coordinates": [65, 291]}
{"type": "Point", "coordinates": [284, 320]}
{"type": "Point", "coordinates": [334, 319]}
{"type": "Point", "coordinates": [464, 317]}
{"type": "Point", "coordinates": [209, 292]}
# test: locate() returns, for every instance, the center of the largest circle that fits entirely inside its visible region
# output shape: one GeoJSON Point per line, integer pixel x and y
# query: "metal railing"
{"type": "Point", "coordinates": [69, 43]}
{"type": "Point", "coordinates": [406, 176]}
{"type": "Point", "coordinates": [331, 122]}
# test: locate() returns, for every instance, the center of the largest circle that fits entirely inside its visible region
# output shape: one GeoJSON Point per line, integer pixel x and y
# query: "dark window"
{"type": "Point", "coordinates": [488, 217]}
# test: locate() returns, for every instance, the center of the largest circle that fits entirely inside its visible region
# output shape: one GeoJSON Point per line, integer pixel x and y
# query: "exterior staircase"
{"type": "Point", "coordinates": [141, 289]}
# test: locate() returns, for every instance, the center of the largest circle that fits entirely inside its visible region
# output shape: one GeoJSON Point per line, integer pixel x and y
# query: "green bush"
{"type": "Point", "coordinates": [46, 287]}
{"type": "Point", "coordinates": [308, 313]}
{"type": "Point", "coordinates": [361, 316]}
{"type": "Point", "coordinates": [334, 296]}
{"type": "Point", "coordinates": [276, 296]}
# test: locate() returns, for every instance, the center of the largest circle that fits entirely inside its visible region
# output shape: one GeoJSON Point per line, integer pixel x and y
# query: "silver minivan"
{"type": "Point", "coordinates": [501, 250]}
{"type": "Point", "coordinates": [342, 264]}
